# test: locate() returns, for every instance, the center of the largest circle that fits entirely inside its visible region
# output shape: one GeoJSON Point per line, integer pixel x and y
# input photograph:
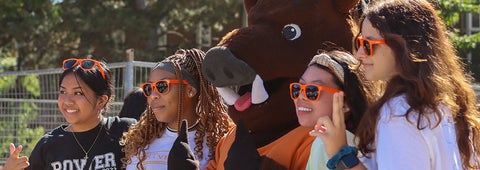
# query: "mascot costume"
{"type": "Point", "coordinates": [252, 68]}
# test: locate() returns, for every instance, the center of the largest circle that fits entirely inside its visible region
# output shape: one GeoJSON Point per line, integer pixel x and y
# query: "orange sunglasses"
{"type": "Point", "coordinates": [162, 86]}
{"type": "Point", "coordinates": [367, 44]}
{"type": "Point", "coordinates": [85, 64]}
{"type": "Point", "coordinates": [311, 91]}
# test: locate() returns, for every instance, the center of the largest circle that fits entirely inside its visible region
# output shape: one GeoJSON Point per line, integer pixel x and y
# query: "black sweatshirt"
{"type": "Point", "coordinates": [58, 149]}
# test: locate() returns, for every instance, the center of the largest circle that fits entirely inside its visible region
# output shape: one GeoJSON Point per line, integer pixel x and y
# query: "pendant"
{"type": "Point", "coordinates": [86, 157]}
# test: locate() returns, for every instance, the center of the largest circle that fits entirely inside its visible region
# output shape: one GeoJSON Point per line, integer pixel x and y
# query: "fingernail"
{"type": "Point", "coordinates": [322, 128]}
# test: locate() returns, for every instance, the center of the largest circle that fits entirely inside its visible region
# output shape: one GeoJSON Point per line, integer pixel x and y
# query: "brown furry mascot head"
{"type": "Point", "coordinates": [253, 66]}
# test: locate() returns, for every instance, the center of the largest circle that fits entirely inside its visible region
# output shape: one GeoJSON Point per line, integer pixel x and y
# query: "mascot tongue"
{"type": "Point", "coordinates": [258, 95]}
{"type": "Point", "coordinates": [244, 102]}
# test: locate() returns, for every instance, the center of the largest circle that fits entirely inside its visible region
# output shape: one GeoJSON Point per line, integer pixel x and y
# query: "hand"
{"type": "Point", "coordinates": [243, 154]}
{"type": "Point", "coordinates": [332, 131]}
{"type": "Point", "coordinates": [181, 156]}
{"type": "Point", "coordinates": [14, 162]}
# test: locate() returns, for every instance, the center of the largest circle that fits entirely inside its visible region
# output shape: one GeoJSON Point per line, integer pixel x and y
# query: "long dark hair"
{"type": "Point", "coordinates": [430, 73]}
{"type": "Point", "coordinates": [358, 91]}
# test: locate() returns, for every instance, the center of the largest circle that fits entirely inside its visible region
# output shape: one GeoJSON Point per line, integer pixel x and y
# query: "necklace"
{"type": "Point", "coordinates": [188, 129]}
{"type": "Point", "coordinates": [86, 152]}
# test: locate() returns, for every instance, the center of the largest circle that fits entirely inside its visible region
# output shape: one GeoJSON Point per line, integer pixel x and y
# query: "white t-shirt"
{"type": "Point", "coordinates": [400, 145]}
{"type": "Point", "coordinates": [157, 152]}
{"type": "Point", "coordinates": [318, 156]}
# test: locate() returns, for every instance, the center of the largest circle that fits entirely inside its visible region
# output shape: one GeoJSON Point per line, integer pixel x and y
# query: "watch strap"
{"type": "Point", "coordinates": [345, 158]}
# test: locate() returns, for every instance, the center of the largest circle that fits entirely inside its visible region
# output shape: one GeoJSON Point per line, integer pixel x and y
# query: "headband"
{"type": "Point", "coordinates": [168, 66]}
{"type": "Point", "coordinates": [325, 60]}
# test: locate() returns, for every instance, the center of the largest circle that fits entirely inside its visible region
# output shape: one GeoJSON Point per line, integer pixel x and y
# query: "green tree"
{"type": "Point", "coordinates": [15, 121]}
{"type": "Point", "coordinates": [43, 32]}
{"type": "Point", "coordinates": [25, 31]}
{"type": "Point", "coordinates": [452, 12]}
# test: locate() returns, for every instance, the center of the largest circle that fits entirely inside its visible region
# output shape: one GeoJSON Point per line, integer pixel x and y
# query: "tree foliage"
{"type": "Point", "coordinates": [453, 12]}
{"type": "Point", "coordinates": [15, 121]}
{"type": "Point", "coordinates": [41, 33]}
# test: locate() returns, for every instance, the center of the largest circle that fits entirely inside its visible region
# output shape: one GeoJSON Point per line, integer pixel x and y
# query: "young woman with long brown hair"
{"type": "Point", "coordinates": [427, 116]}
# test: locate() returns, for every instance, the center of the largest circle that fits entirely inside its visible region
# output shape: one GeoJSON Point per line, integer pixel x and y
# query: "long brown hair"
{"type": "Point", "coordinates": [212, 112]}
{"type": "Point", "coordinates": [431, 73]}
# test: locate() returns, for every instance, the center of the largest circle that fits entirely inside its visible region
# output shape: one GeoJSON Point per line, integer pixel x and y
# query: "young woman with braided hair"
{"type": "Point", "coordinates": [176, 90]}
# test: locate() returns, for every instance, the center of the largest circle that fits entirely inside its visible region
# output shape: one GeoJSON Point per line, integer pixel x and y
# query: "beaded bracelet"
{"type": "Point", "coordinates": [345, 151]}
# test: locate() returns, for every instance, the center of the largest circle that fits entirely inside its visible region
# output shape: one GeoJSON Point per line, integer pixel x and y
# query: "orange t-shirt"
{"type": "Point", "coordinates": [291, 150]}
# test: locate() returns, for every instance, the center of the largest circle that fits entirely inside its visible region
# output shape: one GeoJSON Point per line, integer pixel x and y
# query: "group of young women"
{"type": "Point", "coordinates": [404, 101]}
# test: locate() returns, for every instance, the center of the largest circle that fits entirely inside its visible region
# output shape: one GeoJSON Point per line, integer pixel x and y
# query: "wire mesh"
{"type": "Point", "coordinates": [28, 102]}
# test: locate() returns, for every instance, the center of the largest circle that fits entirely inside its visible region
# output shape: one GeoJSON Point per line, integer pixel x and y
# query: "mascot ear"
{"type": "Point", "coordinates": [249, 4]}
{"type": "Point", "coordinates": [344, 6]}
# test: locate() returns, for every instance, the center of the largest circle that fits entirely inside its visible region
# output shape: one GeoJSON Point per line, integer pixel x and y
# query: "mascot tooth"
{"type": "Point", "coordinates": [259, 94]}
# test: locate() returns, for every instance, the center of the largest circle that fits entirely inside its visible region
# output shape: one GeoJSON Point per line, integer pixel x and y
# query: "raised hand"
{"type": "Point", "coordinates": [15, 162]}
{"type": "Point", "coordinates": [243, 154]}
{"type": "Point", "coordinates": [332, 130]}
{"type": "Point", "coordinates": [181, 156]}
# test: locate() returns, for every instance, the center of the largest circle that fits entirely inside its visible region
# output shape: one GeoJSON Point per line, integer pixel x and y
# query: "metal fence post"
{"type": "Point", "coordinates": [128, 73]}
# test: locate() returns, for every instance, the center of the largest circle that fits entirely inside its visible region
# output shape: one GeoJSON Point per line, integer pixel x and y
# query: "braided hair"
{"type": "Point", "coordinates": [214, 121]}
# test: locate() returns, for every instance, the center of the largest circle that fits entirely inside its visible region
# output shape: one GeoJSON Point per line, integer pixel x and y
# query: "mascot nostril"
{"type": "Point", "coordinates": [222, 68]}
{"type": "Point", "coordinates": [291, 32]}
{"type": "Point", "coordinates": [208, 73]}
{"type": "Point", "coordinates": [228, 73]}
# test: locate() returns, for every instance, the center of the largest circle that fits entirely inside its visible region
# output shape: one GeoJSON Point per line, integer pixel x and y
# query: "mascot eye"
{"type": "Point", "coordinates": [291, 32]}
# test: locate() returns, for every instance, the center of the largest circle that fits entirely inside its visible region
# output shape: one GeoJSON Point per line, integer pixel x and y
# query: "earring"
{"type": "Point", "coordinates": [190, 94]}
{"type": "Point", "coordinates": [345, 109]}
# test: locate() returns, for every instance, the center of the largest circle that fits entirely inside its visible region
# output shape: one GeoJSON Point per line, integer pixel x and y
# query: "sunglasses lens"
{"type": "Point", "coordinates": [311, 92]}
{"type": "Point", "coordinates": [295, 88]}
{"type": "Point", "coordinates": [68, 64]}
{"type": "Point", "coordinates": [162, 86]}
{"type": "Point", "coordinates": [366, 46]}
{"type": "Point", "coordinates": [147, 89]}
{"type": "Point", "coordinates": [88, 64]}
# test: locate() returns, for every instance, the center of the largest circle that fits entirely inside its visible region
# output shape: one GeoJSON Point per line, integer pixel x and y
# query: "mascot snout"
{"type": "Point", "coordinates": [224, 70]}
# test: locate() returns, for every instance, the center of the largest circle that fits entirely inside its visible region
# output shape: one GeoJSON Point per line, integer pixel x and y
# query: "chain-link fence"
{"type": "Point", "coordinates": [28, 102]}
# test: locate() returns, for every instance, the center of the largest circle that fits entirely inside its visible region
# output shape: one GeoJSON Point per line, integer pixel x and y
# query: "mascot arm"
{"type": "Point", "coordinates": [243, 154]}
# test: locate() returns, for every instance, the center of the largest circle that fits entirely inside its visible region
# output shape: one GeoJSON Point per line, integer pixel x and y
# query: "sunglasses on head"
{"type": "Point", "coordinates": [367, 44]}
{"type": "Point", "coordinates": [85, 64]}
{"type": "Point", "coordinates": [311, 91]}
{"type": "Point", "coordinates": [162, 86]}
